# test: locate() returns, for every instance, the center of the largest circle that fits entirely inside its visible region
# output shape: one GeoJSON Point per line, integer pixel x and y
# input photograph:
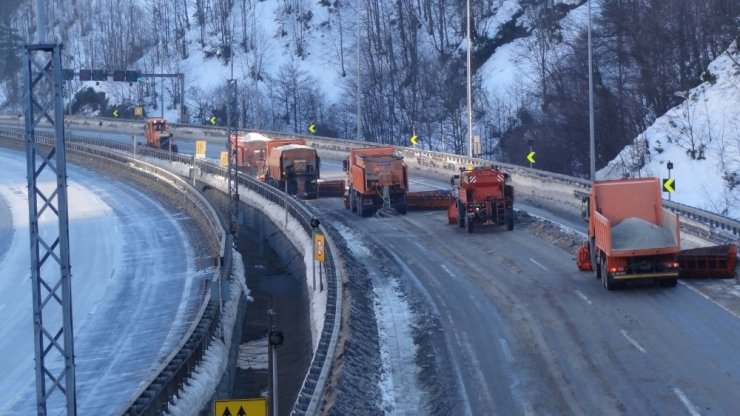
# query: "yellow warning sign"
{"type": "Point", "coordinates": [138, 111]}
{"type": "Point", "coordinates": [319, 247]}
{"type": "Point", "coordinates": [225, 159]}
{"type": "Point", "coordinates": [669, 185]}
{"type": "Point", "coordinates": [240, 407]}
{"type": "Point", "coordinates": [200, 149]}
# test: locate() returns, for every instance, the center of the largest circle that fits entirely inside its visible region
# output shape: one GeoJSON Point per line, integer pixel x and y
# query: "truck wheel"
{"type": "Point", "coordinates": [352, 201]}
{"type": "Point", "coordinates": [468, 224]}
{"type": "Point", "coordinates": [460, 215]}
{"type": "Point", "coordinates": [594, 259]}
{"type": "Point", "coordinates": [360, 210]}
{"type": "Point", "coordinates": [606, 279]}
{"type": "Point", "coordinates": [510, 220]}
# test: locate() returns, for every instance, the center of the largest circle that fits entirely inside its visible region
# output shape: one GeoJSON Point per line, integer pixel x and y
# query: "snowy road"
{"type": "Point", "coordinates": [134, 281]}
{"type": "Point", "coordinates": [524, 332]}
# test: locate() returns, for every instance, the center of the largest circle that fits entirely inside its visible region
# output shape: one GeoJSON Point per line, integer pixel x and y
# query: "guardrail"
{"type": "Point", "coordinates": [154, 395]}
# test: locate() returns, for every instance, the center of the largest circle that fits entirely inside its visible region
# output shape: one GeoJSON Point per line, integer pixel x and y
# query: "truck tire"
{"type": "Point", "coordinates": [352, 201]}
{"type": "Point", "coordinates": [468, 224]}
{"type": "Point", "coordinates": [360, 209]}
{"type": "Point", "coordinates": [606, 278]}
{"type": "Point", "coordinates": [594, 259]}
{"type": "Point", "coordinates": [460, 215]}
{"type": "Point", "coordinates": [510, 220]}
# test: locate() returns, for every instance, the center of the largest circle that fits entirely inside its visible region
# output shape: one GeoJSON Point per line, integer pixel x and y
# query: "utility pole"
{"type": "Point", "coordinates": [53, 334]}
{"type": "Point", "coordinates": [592, 140]}
{"type": "Point", "coordinates": [359, 92]}
{"type": "Point", "coordinates": [470, 89]}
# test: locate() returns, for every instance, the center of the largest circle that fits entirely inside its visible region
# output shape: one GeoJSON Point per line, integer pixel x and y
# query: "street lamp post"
{"type": "Point", "coordinates": [276, 339]}
{"type": "Point", "coordinates": [470, 89]}
{"type": "Point", "coordinates": [592, 140]}
{"type": "Point", "coordinates": [285, 177]}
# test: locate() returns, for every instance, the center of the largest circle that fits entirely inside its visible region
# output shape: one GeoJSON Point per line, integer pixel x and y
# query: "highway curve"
{"type": "Point", "coordinates": [525, 333]}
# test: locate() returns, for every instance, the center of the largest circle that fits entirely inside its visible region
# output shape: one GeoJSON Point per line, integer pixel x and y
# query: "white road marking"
{"type": "Point", "coordinates": [535, 262]}
{"type": "Point", "coordinates": [698, 292]}
{"type": "Point", "coordinates": [506, 350]}
{"type": "Point", "coordinates": [633, 342]}
{"type": "Point", "coordinates": [448, 271]}
{"type": "Point", "coordinates": [584, 297]}
{"type": "Point", "coordinates": [693, 411]}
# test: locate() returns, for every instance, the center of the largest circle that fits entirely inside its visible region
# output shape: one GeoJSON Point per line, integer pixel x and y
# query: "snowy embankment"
{"type": "Point", "coordinates": [700, 137]}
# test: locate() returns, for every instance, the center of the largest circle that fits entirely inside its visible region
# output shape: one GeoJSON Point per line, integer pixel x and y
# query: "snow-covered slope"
{"type": "Point", "coordinates": [706, 126]}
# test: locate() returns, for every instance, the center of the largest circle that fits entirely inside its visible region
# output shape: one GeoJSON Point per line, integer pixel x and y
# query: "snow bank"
{"type": "Point", "coordinates": [199, 388]}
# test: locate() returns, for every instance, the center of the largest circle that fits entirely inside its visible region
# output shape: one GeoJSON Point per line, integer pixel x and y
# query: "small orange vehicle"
{"type": "Point", "coordinates": [251, 152]}
{"type": "Point", "coordinates": [481, 195]}
{"type": "Point", "coordinates": [377, 177]}
{"type": "Point", "coordinates": [158, 135]}
{"type": "Point", "coordinates": [292, 166]}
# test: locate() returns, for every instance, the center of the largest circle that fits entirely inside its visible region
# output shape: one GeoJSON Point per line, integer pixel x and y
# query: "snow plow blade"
{"type": "Point", "coordinates": [331, 188]}
{"type": "Point", "coordinates": [583, 259]}
{"type": "Point", "coordinates": [715, 261]}
{"type": "Point", "coordinates": [427, 200]}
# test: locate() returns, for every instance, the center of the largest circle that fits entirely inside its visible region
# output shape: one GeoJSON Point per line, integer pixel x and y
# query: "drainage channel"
{"type": "Point", "coordinates": [275, 275]}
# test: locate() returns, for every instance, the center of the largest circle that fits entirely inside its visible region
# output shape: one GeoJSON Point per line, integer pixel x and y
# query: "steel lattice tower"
{"type": "Point", "coordinates": [51, 285]}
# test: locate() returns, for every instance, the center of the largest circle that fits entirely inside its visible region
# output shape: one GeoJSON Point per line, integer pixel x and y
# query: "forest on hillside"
{"type": "Point", "coordinates": [412, 64]}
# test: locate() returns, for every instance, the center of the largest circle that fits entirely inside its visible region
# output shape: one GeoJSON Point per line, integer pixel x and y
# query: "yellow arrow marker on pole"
{"type": "Point", "coordinates": [115, 113]}
{"type": "Point", "coordinates": [413, 140]}
{"type": "Point", "coordinates": [669, 185]}
{"type": "Point", "coordinates": [312, 128]}
{"type": "Point", "coordinates": [530, 157]}
{"type": "Point", "coordinates": [213, 120]}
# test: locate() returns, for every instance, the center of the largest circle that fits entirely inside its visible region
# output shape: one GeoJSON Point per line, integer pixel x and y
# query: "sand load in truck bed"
{"type": "Point", "coordinates": [636, 234]}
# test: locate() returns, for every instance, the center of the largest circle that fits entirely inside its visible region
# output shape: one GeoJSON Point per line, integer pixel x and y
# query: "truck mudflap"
{"type": "Point", "coordinates": [716, 261]}
{"type": "Point", "coordinates": [427, 200]}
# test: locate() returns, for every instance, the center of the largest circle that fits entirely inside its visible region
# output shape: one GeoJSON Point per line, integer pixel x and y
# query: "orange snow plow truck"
{"type": "Point", "coordinates": [376, 178]}
{"type": "Point", "coordinates": [251, 149]}
{"type": "Point", "coordinates": [481, 195]}
{"type": "Point", "coordinates": [158, 135]}
{"type": "Point", "coordinates": [292, 166]}
{"type": "Point", "coordinates": [630, 234]}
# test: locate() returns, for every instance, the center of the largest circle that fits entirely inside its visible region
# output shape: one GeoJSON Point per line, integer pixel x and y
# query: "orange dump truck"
{"type": "Point", "coordinates": [376, 178]}
{"type": "Point", "coordinates": [631, 235]}
{"type": "Point", "coordinates": [251, 151]}
{"type": "Point", "coordinates": [158, 135]}
{"type": "Point", "coordinates": [481, 195]}
{"type": "Point", "coordinates": [292, 166]}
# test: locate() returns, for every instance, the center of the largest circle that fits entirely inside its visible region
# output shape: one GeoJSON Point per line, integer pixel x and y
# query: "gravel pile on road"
{"type": "Point", "coordinates": [636, 233]}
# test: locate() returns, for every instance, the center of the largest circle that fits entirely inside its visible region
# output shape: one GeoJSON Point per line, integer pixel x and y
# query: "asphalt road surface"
{"type": "Point", "coordinates": [526, 333]}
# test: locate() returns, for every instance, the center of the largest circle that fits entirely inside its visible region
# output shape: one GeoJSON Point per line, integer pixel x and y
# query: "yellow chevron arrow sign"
{"type": "Point", "coordinates": [413, 140]}
{"type": "Point", "coordinates": [312, 128]}
{"type": "Point", "coordinates": [530, 157]}
{"type": "Point", "coordinates": [669, 185]}
{"type": "Point", "coordinates": [213, 120]}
